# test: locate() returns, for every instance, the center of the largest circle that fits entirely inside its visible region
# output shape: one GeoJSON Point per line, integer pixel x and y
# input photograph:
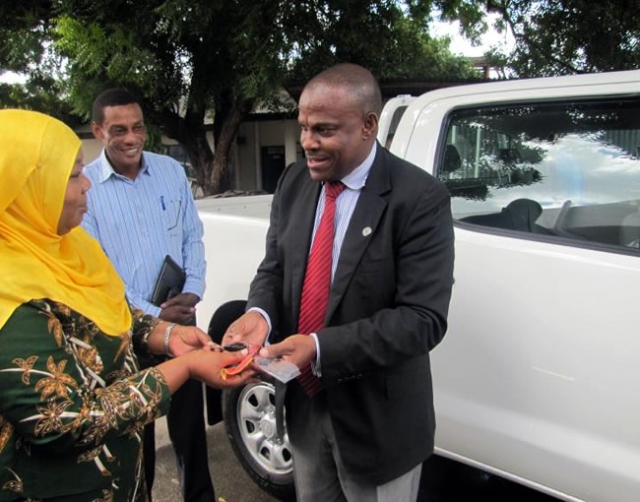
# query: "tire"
{"type": "Point", "coordinates": [249, 418]}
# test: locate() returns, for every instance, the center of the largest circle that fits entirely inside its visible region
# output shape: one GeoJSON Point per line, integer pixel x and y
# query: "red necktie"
{"type": "Point", "coordinates": [317, 280]}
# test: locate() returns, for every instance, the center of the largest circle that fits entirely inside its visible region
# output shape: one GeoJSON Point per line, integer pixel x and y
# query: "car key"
{"type": "Point", "coordinates": [234, 347]}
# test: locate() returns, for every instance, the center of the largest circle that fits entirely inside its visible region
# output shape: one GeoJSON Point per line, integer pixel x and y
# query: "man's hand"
{"type": "Point", "coordinates": [180, 309]}
{"type": "Point", "coordinates": [298, 349]}
{"type": "Point", "coordinates": [250, 328]}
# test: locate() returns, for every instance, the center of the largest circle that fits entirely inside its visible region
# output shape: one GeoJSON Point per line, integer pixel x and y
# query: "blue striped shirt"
{"type": "Point", "coordinates": [345, 204]}
{"type": "Point", "coordinates": [138, 222]}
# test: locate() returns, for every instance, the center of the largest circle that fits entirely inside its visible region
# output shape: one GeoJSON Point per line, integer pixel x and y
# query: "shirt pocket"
{"type": "Point", "coordinates": [171, 209]}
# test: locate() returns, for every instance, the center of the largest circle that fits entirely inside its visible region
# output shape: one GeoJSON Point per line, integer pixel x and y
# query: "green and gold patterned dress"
{"type": "Point", "coordinates": [73, 403]}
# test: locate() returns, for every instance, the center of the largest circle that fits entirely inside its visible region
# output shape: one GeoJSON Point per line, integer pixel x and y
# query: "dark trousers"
{"type": "Point", "coordinates": [186, 426]}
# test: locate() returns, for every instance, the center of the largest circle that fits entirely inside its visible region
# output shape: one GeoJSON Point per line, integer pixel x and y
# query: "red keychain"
{"type": "Point", "coordinates": [239, 367]}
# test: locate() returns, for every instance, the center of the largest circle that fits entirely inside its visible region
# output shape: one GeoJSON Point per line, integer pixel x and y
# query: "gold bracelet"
{"type": "Point", "coordinates": [167, 334]}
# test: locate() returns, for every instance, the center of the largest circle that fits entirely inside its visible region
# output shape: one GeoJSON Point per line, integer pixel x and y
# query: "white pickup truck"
{"type": "Point", "coordinates": [538, 377]}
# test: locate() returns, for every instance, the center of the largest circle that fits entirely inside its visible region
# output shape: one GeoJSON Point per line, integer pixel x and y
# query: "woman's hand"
{"type": "Point", "coordinates": [181, 339]}
{"type": "Point", "coordinates": [206, 366]}
{"type": "Point", "coordinates": [184, 339]}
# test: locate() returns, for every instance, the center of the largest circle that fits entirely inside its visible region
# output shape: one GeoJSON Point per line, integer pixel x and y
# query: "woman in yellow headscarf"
{"type": "Point", "coordinates": [73, 402]}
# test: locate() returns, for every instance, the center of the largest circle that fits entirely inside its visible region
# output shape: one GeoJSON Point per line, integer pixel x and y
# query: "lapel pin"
{"type": "Point", "coordinates": [366, 231]}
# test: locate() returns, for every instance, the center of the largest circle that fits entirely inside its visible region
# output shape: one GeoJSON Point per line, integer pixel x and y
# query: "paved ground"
{"type": "Point", "coordinates": [231, 482]}
{"type": "Point", "coordinates": [442, 480]}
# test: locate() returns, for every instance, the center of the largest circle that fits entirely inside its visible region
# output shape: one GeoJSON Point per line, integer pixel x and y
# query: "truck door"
{"type": "Point", "coordinates": [536, 377]}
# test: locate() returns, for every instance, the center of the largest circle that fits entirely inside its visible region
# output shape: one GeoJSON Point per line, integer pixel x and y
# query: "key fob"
{"type": "Point", "coordinates": [234, 347]}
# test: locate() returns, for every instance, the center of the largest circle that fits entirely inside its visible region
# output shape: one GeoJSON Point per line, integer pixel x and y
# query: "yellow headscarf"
{"type": "Point", "coordinates": [37, 154]}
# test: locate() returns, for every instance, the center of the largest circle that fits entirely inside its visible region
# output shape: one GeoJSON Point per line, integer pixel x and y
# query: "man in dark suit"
{"type": "Point", "coordinates": [365, 430]}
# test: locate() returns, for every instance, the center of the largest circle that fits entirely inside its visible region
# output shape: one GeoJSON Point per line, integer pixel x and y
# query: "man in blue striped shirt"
{"type": "Point", "coordinates": [141, 209]}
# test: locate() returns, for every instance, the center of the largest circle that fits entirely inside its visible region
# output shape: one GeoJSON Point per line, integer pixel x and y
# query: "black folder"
{"type": "Point", "coordinates": [170, 281]}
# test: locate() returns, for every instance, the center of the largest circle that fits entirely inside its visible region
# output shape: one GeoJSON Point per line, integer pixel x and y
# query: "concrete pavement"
{"type": "Point", "coordinates": [442, 479]}
{"type": "Point", "coordinates": [231, 482]}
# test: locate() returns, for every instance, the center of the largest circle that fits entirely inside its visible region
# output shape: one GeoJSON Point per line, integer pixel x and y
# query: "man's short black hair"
{"type": "Point", "coordinates": [111, 97]}
{"type": "Point", "coordinates": [360, 82]}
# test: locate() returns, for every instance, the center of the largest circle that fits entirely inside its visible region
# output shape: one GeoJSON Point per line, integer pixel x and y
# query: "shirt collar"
{"type": "Point", "coordinates": [107, 171]}
{"type": "Point", "coordinates": [356, 179]}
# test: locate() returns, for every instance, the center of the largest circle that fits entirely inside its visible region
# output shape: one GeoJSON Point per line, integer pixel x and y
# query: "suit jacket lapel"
{"type": "Point", "coordinates": [362, 227]}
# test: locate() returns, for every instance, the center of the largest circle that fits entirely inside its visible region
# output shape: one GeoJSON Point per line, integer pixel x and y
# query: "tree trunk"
{"type": "Point", "coordinates": [209, 167]}
{"type": "Point", "coordinates": [218, 180]}
{"type": "Point", "coordinates": [200, 156]}
{"type": "Point", "coordinates": [190, 132]}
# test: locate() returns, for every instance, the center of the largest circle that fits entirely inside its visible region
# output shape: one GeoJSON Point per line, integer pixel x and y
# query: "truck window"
{"type": "Point", "coordinates": [567, 170]}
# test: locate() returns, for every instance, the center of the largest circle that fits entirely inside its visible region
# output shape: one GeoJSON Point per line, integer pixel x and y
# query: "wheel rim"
{"type": "Point", "coordinates": [256, 414]}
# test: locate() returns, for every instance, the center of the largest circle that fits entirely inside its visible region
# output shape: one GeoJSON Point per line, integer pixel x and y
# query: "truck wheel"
{"type": "Point", "coordinates": [249, 418]}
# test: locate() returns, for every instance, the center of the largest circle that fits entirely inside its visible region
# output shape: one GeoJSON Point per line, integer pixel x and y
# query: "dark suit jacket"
{"type": "Point", "coordinates": [388, 308]}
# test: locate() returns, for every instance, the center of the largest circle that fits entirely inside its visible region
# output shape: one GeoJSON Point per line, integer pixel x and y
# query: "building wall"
{"type": "Point", "coordinates": [252, 137]}
{"type": "Point", "coordinates": [245, 166]}
{"type": "Point", "coordinates": [91, 149]}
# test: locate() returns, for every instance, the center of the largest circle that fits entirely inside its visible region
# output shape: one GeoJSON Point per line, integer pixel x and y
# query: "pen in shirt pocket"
{"type": "Point", "coordinates": [164, 208]}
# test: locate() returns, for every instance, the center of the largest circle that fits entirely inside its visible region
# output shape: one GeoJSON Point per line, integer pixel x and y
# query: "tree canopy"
{"type": "Point", "coordinates": [214, 60]}
{"type": "Point", "coordinates": [562, 37]}
{"type": "Point", "coordinates": [25, 48]}
{"type": "Point", "coordinates": [198, 62]}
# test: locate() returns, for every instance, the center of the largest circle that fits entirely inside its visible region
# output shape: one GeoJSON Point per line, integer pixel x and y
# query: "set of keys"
{"type": "Point", "coordinates": [276, 367]}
